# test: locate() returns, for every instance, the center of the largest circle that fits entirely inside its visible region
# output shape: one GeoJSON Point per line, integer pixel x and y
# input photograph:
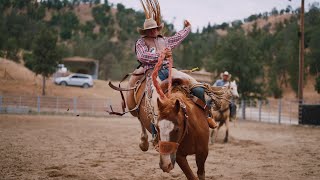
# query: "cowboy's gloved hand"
{"type": "Point", "coordinates": [186, 23]}
{"type": "Point", "coordinates": [168, 53]}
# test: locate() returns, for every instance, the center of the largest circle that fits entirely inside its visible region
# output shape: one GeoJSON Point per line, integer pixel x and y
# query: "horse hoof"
{"type": "Point", "coordinates": [212, 141]}
{"type": "Point", "coordinates": [144, 146]}
{"type": "Point", "coordinates": [201, 177]}
{"type": "Point", "coordinates": [225, 140]}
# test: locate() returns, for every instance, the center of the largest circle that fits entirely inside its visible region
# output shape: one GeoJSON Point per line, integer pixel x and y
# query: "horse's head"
{"type": "Point", "coordinates": [234, 89]}
{"type": "Point", "coordinates": [171, 127]}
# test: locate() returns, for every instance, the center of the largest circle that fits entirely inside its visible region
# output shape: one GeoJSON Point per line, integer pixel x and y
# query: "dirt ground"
{"type": "Point", "coordinates": [56, 147]}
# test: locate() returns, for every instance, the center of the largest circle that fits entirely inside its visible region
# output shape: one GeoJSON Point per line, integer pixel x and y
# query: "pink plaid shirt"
{"type": "Point", "coordinates": [148, 58]}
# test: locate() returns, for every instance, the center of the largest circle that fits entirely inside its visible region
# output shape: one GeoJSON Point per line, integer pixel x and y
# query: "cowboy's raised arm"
{"type": "Point", "coordinates": [143, 55]}
{"type": "Point", "coordinates": [176, 39]}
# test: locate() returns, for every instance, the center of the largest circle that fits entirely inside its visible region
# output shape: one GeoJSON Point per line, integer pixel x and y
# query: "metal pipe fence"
{"type": "Point", "coordinates": [55, 105]}
{"type": "Point", "coordinates": [272, 111]}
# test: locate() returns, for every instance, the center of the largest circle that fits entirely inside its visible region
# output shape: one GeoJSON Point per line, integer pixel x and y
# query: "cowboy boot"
{"type": "Point", "coordinates": [212, 123]}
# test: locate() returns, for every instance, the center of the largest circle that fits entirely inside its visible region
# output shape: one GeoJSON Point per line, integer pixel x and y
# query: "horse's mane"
{"type": "Point", "coordinates": [169, 102]}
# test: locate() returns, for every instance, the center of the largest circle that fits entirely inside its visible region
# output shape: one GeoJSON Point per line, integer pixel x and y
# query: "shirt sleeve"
{"type": "Point", "coordinates": [143, 55]}
{"type": "Point", "coordinates": [176, 39]}
{"type": "Point", "coordinates": [216, 83]}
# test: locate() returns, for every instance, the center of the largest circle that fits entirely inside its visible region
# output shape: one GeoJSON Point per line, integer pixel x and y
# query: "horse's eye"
{"type": "Point", "coordinates": [176, 129]}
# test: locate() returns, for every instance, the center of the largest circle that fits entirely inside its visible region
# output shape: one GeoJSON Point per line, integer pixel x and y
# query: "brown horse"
{"type": "Point", "coordinates": [181, 125]}
{"type": "Point", "coordinates": [184, 131]}
{"type": "Point", "coordinates": [136, 100]}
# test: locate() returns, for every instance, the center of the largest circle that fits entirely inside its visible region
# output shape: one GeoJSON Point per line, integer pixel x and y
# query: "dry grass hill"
{"type": "Point", "coordinates": [271, 21]}
{"type": "Point", "coordinates": [17, 79]}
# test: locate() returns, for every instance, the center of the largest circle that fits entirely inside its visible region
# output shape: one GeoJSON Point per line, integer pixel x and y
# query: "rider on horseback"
{"type": "Point", "coordinates": [225, 79]}
{"type": "Point", "coordinates": [152, 43]}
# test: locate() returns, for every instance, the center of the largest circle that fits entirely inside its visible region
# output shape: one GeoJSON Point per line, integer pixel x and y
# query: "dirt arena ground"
{"type": "Point", "coordinates": [56, 147]}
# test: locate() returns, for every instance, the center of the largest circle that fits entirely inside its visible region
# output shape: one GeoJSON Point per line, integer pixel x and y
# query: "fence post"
{"type": "Point", "coordinates": [279, 108]}
{"type": "Point", "coordinates": [92, 106]}
{"type": "Point", "coordinates": [57, 104]}
{"type": "Point", "coordinates": [290, 111]}
{"type": "Point", "coordinates": [19, 103]}
{"type": "Point", "coordinates": [300, 111]}
{"type": "Point", "coordinates": [0, 104]}
{"type": "Point", "coordinates": [250, 106]}
{"type": "Point", "coordinates": [269, 110]}
{"type": "Point", "coordinates": [243, 106]}
{"type": "Point", "coordinates": [74, 105]}
{"type": "Point", "coordinates": [38, 104]}
{"type": "Point", "coordinates": [260, 107]}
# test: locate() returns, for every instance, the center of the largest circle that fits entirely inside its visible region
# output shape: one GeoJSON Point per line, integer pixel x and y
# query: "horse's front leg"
{"type": "Point", "coordinates": [200, 160]}
{"type": "Point", "coordinates": [144, 144]}
{"type": "Point", "coordinates": [234, 119]}
{"type": "Point", "coordinates": [183, 163]}
{"type": "Point", "coordinates": [214, 132]}
{"type": "Point", "coordinates": [212, 136]}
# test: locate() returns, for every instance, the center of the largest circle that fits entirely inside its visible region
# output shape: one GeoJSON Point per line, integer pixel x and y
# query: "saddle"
{"type": "Point", "coordinates": [138, 77]}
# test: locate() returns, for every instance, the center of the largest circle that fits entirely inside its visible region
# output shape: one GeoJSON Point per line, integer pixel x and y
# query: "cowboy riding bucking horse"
{"type": "Point", "coordinates": [152, 43]}
{"type": "Point", "coordinates": [165, 99]}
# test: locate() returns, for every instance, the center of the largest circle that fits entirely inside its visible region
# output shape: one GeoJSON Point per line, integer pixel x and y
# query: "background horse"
{"type": "Point", "coordinates": [223, 114]}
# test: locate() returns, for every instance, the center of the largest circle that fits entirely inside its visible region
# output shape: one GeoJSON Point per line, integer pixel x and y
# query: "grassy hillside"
{"type": "Point", "coordinates": [260, 51]}
{"type": "Point", "coordinates": [15, 79]}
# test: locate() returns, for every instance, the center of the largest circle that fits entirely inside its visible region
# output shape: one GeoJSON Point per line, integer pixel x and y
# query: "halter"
{"type": "Point", "coordinates": [168, 147]}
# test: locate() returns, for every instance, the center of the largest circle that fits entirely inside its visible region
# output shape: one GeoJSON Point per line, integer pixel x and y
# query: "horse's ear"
{"type": "Point", "coordinates": [177, 106]}
{"type": "Point", "coordinates": [160, 105]}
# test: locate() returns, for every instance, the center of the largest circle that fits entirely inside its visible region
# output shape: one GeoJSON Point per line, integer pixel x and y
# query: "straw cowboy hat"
{"type": "Point", "coordinates": [226, 73]}
{"type": "Point", "coordinates": [153, 16]}
{"type": "Point", "coordinates": [149, 24]}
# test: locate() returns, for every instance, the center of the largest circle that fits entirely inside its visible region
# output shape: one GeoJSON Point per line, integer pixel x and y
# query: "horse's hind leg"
{"type": "Point", "coordinates": [183, 163]}
{"type": "Point", "coordinates": [200, 160]}
{"type": "Point", "coordinates": [144, 144]}
{"type": "Point", "coordinates": [211, 136]}
{"type": "Point", "coordinates": [214, 132]}
{"type": "Point", "coordinates": [234, 119]}
{"type": "Point", "coordinates": [227, 130]}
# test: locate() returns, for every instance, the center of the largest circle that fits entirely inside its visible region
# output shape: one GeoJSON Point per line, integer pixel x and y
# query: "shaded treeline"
{"type": "Point", "coordinates": [263, 59]}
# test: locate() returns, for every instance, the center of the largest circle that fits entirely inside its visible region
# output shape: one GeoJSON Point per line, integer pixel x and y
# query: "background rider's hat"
{"type": "Point", "coordinates": [149, 24]}
{"type": "Point", "coordinates": [226, 73]}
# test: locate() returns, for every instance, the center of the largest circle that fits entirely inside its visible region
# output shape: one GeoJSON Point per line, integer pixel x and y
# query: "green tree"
{"type": "Point", "coordinates": [46, 55]}
{"type": "Point", "coordinates": [100, 16]}
{"type": "Point", "coordinates": [317, 85]}
{"type": "Point", "coordinates": [237, 54]}
{"type": "Point", "coordinates": [313, 58]}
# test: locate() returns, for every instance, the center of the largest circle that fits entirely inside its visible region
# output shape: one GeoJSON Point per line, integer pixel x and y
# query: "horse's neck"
{"type": "Point", "coordinates": [227, 84]}
{"type": "Point", "coordinates": [225, 103]}
{"type": "Point", "coordinates": [151, 96]}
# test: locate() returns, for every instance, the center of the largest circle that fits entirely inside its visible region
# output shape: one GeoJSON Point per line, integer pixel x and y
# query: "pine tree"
{"type": "Point", "coordinates": [46, 55]}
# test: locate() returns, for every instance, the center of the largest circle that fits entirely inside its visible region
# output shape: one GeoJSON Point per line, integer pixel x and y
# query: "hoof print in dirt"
{"type": "Point", "coordinates": [55, 173]}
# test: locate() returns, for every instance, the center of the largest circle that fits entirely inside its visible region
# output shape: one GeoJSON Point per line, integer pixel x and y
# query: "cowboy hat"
{"type": "Point", "coordinates": [226, 73]}
{"type": "Point", "coordinates": [149, 24]}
